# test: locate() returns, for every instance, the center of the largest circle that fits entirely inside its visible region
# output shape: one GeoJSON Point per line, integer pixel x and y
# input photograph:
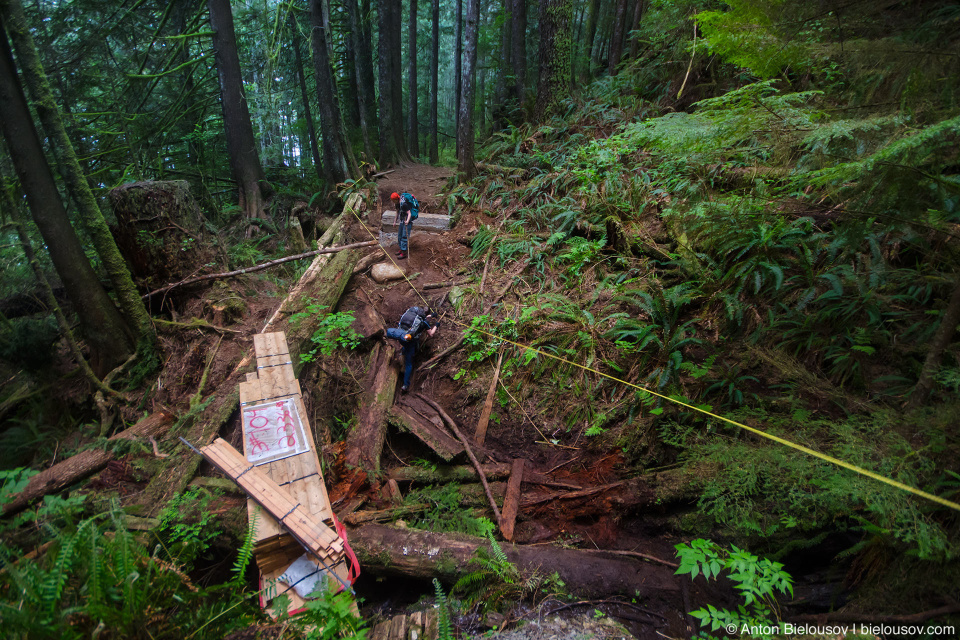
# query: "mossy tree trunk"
{"type": "Point", "coordinates": [91, 216]}
{"type": "Point", "coordinates": [555, 46]}
{"type": "Point", "coordinates": [109, 337]}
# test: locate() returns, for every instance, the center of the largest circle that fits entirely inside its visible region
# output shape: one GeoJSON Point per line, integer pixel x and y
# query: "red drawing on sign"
{"type": "Point", "coordinates": [257, 445]}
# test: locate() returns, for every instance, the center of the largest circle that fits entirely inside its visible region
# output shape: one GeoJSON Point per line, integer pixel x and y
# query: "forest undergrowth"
{"type": "Point", "coordinates": [781, 254]}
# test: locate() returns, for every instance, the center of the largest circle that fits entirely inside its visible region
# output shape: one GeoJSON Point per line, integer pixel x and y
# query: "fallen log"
{"type": "Point", "coordinates": [447, 283]}
{"type": "Point", "coordinates": [460, 473]}
{"type": "Point", "coordinates": [480, 435]}
{"type": "Point", "coordinates": [394, 551]}
{"type": "Point", "coordinates": [434, 437]}
{"type": "Point", "coordinates": [367, 260]}
{"type": "Point", "coordinates": [511, 499]}
{"type": "Point", "coordinates": [259, 267]}
{"type": "Point", "coordinates": [322, 284]}
{"type": "Point", "coordinates": [365, 442]}
{"type": "Point", "coordinates": [476, 463]}
{"type": "Point", "coordinates": [85, 463]}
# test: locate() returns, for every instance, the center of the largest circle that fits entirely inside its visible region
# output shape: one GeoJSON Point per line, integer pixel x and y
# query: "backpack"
{"type": "Point", "coordinates": [414, 207]}
{"type": "Point", "coordinates": [412, 320]}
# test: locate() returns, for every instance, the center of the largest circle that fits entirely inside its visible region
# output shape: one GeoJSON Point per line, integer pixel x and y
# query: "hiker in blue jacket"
{"type": "Point", "coordinates": [409, 209]}
{"type": "Point", "coordinates": [413, 323]}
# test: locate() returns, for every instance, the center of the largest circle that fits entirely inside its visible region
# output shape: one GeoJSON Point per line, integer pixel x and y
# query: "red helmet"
{"type": "Point", "coordinates": [394, 196]}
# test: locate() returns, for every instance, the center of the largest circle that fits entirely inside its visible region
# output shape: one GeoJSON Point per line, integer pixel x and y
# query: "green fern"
{"type": "Point", "coordinates": [444, 624]}
{"type": "Point", "coordinates": [245, 554]}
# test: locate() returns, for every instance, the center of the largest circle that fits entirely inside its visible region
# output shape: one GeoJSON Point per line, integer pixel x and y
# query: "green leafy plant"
{"type": "Point", "coordinates": [444, 624]}
{"type": "Point", "coordinates": [331, 617]}
{"type": "Point", "coordinates": [495, 580]}
{"type": "Point", "coordinates": [187, 524]}
{"type": "Point", "coordinates": [334, 331]}
{"type": "Point", "coordinates": [757, 580]}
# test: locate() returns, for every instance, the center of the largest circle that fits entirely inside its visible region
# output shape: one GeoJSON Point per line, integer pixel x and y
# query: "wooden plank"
{"type": "Point", "coordinates": [315, 536]}
{"type": "Point", "coordinates": [511, 501]}
{"type": "Point", "coordinates": [442, 443]}
{"type": "Point", "coordinates": [481, 433]}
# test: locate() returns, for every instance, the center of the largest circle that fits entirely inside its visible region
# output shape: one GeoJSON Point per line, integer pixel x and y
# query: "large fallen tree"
{"type": "Point", "coordinates": [321, 286]}
{"type": "Point", "coordinates": [392, 551]}
{"type": "Point", "coordinates": [85, 463]}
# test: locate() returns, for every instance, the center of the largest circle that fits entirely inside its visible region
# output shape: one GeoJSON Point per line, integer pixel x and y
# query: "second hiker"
{"type": "Point", "coordinates": [413, 323]}
{"type": "Point", "coordinates": [408, 208]}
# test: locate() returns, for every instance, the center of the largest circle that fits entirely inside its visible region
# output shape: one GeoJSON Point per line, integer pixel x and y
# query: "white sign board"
{"type": "Point", "coordinates": [273, 431]}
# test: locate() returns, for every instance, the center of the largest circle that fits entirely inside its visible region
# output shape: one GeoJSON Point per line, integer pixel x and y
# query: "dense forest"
{"type": "Point", "coordinates": [698, 282]}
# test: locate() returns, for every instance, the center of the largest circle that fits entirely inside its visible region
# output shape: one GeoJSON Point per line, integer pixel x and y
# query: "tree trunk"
{"type": "Point", "coordinates": [109, 338]}
{"type": "Point", "coordinates": [392, 145]}
{"type": "Point", "coordinates": [338, 161]}
{"type": "Point", "coordinates": [434, 73]}
{"type": "Point", "coordinates": [948, 326]}
{"type": "Point", "coordinates": [555, 47]}
{"type": "Point", "coordinates": [92, 218]}
{"type": "Point", "coordinates": [501, 99]}
{"type": "Point", "coordinates": [616, 39]}
{"type": "Point", "coordinates": [46, 291]}
{"type": "Point", "coordinates": [465, 131]}
{"type": "Point", "coordinates": [413, 133]}
{"type": "Point", "coordinates": [365, 442]}
{"type": "Point", "coordinates": [457, 73]}
{"type": "Point", "coordinates": [305, 96]}
{"type": "Point", "coordinates": [241, 145]}
{"type": "Point", "coordinates": [635, 37]}
{"type": "Point", "coordinates": [590, 31]}
{"type": "Point", "coordinates": [364, 78]}
{"type": "Point", "coordinates": [519, 45]}
{"type": "Point", "coordinates": [78, 467]}
{"type": "Point", "coordinates": [391, 551]}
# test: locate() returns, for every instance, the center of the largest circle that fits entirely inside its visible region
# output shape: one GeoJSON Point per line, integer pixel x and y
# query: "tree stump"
{"type": "Point", "coordinates": [159, 231]}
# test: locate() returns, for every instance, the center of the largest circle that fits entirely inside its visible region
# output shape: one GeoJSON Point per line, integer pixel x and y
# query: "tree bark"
{"type": "Point", "coordinates": [616, 39]}
{"type": "Point", "coordinates": [305, 96]}
{"type": "Point", "coordinates": [46, 291]}
{"type": "Point", "coordinates": [392, 145]}
{"type": "Point", "coordinates": [465, 130]}
{"type": "Point", "coordinates": [590, 31]}
{"type": "Point", "coordinates": [948, 325]}
{"type": "Point", "coordinates": [365, 443]}
{"type": "Point", "coordinates": [92, 218]}
{"type": "Point", "coordinates": [393, 551]}
{"type": "Point", "coordinates": [338, 161]}
{"type": "Point", "coordinates": [519, 47]}
{"type": "Point", "coordinates": [64, 474]}
{"type": "Point", "coordinates": [434, 74]}
{"type": "Point", "coordinates": [108, 336]}
{"type": "Point", "coordinates": [241, 144]}
{"type": "Point", "coordinates": [457, 72]}
{"type": "Point", "coordinates": [364, 77]}
{"type": "Point", "coordinates": [502, 95]}
{"type": "Point", "coordinates": [413, 133]}
{"type": "Point", "coordinates": [635, 38]}
{"type": "Point", "coordinates": [555, 47]}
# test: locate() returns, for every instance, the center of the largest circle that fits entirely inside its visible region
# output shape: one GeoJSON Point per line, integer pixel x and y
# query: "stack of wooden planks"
{"type": "Point", "coordinates": [278, 440]}
{"type": "Point", "coordinates": [420, 625]}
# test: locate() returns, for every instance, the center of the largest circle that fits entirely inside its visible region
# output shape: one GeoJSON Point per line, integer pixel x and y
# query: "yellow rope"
{"type": "Point", "coordinates": [840, 463]}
